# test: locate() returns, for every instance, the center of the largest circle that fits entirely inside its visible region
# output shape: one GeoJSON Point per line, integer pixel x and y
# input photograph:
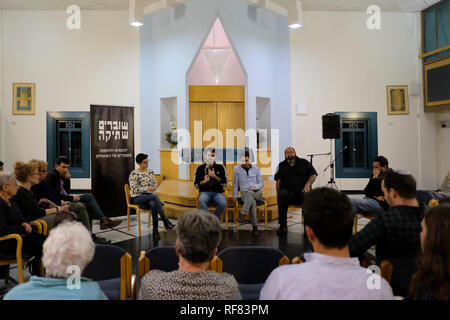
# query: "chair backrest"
{"type": "Point", "coordinates": [127, 194]}
{"type": "Point", "coordinates": [163, 258]}
{"type": "Point", "coordinates": [106, 263]}
{"type": "Point", "coordinates": [251, 264]}
{"type": "Point", "coordinates": [402, 271]}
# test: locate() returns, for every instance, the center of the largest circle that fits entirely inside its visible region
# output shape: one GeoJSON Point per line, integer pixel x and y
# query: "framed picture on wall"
{"type": "Point", "coordinates": [24, 98]}
{"type": "Point", "coordinates": [397, 99]}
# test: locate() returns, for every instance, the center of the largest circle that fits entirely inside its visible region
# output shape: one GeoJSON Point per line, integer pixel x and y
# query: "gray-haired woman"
{"type": "Point", "coordinates": [198, 236]}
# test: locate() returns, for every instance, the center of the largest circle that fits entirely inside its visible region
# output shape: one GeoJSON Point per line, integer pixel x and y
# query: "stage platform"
{"type": "Point", "coordinates": [180, 195]}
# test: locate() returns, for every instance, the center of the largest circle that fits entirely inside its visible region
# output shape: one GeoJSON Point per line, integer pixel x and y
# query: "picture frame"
{"type": "Point", "coordinates": [397, 100]}
{"type": "Point", "coordinates": [24, 98]}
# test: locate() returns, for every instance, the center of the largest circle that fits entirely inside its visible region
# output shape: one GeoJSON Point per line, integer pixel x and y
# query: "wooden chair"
{"type": "Point", "coordinates": [111, 267]}
{"type": "Point", "coordinates": [212, 206]}
{"type": "Point", "coordinates": [386, 268]}
{"type": "Point", "coordinates": [259, 204]}
{"type": "Point", "coordinates": [19, 258]}
{"type": "Point", "coordinates": [138, 211]}
{"type": "Point", "coordinates": [296, 260]}
{"type": "Point", "coordinates": [433, 203]}
{"type": "Point", "coordinates": [358, 216]}
{"type": "Point", "coordinates": [161, 258]}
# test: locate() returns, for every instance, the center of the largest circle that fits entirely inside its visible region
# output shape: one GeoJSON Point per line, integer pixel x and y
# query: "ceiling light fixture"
{"type": "Point", "coordinates": [295, 14]}
{"type": "Point", "coordinates": [136, 14]}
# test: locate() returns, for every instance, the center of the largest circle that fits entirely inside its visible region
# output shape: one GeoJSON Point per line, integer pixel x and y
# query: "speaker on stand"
{"type": "Point", "coordinates": [331, 129]}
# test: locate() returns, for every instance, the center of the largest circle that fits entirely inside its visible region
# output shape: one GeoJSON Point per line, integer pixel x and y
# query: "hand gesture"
{"type": "Point", "coordinates": [211, 173]}
{"type": "Point", "coordinates": [307, 188]}
{"type": "Point", "coordinates": [27, 227]}
{"type": "Point", "coordinates": [380, 198]}
{"type": "Point", "coordinates": [252, 188]}
{"type": "Point", "coordinates": [207, 178]}
{"type": "Point", "coordinates": [76, 198]}
{"type": "Point", "coordinates": [376, 172]}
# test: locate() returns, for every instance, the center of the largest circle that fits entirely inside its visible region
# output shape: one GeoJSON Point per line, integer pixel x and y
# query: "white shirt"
{"type": "Point", "coordinates": [324, 277]}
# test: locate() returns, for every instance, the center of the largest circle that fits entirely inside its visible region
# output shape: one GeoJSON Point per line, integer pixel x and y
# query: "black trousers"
{"type": "Point", "coordinates": [286, 198]}
{"type": "Point", "coordinates": [31, 244]}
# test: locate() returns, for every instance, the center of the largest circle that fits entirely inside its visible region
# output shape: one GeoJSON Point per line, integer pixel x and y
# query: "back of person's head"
{"type": "Point", "coordinates": [434, 262]}
{"type": "Point", "coordinates": [23, 170]}
{"type": "Point", "coordinates": [330, 215]}
{"type": "Point", "coordinates": [382, 161]}
{"type": "Point", "coordinates": [402, 182]}
{"type": "Point", "coordinates": [199, 234]}
{"type": "Point", "coordinates": [41, 164]}
{"type": "Point", "coordinates": [62, 159]}
{"type": "Point", "coordinates": [69, 244]}
{"type": "Point", "coordinates": [141, 157]}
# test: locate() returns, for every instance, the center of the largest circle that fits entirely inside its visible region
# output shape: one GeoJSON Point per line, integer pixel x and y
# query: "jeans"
{"type": "Point", "coordinates": [216, 197]}
{"type": "Point", "coordinates": [285, 198]}
{"type": "Point", "coordinates": [366, 206]}
{"type": "Point", "coordinates": [152, 201]}
{"type": "Point", "coordinates": [424, 196]}
{"type": "Point", "coordinates": [249, 198]}
{"type": "Point", "coordinates": [82, 214]}
{"type": "Point", "coordinates": [92, 206]}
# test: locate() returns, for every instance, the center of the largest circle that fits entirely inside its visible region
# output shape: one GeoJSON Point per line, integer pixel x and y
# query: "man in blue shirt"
{"type": "Point", "coordinates": [247, 178]}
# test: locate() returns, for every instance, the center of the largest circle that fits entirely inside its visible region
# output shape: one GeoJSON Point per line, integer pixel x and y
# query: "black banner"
{"type": "Point", "coordinates": [112, 156]}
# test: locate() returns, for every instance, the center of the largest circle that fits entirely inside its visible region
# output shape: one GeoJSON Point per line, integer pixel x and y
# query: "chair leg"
{"type": "Point", "coordinates": [226, 218]}
{"type": "Point", "coordinates": [355, 224]}
{"type": "Point", "coordinates": [265, 217]}
{"type": "Point", "coordinates": [128, 219]}
{"type": "Point", "coordinates": [139, 222]}
{"type": "Point", "coordinates": [20, 269]}
{"type": "Point", "coordinates": [149, 218]}
{"type": "Point", "coordinates": [236, 212]}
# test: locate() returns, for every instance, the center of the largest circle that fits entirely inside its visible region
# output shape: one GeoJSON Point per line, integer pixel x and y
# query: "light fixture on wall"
{"type": "Point", "coordinates": [136, 14]}
{"type": "Point", "coordinates": [295, 14]}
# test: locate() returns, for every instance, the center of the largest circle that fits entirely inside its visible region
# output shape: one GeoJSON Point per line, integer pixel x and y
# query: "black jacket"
{"type": "Point", "coordinates": [28, 205]}
{"type": "Point", "coordinates": [212, 185]}
{"type": "Point", "coordinates": [10, 220]}
{"type": "Point", "coordinates": [373, 189]}
{"type": "Point", "coordinates": [54, 181]}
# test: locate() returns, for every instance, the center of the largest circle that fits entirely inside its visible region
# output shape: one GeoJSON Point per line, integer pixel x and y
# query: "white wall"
{"type": "Point", "coordinates": [337, 64]}
{"type": "Point", "coordinates": [98, 64]}
{"type": "Point", "coordinates": [443, 147]}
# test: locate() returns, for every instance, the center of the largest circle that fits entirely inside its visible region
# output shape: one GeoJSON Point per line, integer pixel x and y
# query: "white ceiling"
{"type": "Point", "coordinates": [308, 5]}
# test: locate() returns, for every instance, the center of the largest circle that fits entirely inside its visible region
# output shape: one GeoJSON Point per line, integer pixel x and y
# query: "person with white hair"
{"type": "Point", "coordinates": [67, 251]}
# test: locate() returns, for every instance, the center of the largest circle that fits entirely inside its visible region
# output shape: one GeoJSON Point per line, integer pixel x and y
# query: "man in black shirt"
{"type": "Point", "coordinates": [294, 178]}
{"type": "Point", "coordinates": [374, 202]}
{"type": "Point", "coordinates": [210, 178]}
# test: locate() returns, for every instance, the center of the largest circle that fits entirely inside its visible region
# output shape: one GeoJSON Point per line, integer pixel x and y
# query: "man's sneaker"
{"type": "Point", "coordinates": [100, 240]}
{"type": "Point", "coordinates": [241, 219]}
{"type": "Point", "coordinates": [282, 230]}
{"type": "Point", "coordinates": [108, 223]}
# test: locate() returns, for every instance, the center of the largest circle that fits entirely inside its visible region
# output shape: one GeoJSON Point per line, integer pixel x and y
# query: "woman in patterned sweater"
{"type": "Point", "coordinates": [142, 187]}
{"type": "Point", "coordinates": [198, 236]}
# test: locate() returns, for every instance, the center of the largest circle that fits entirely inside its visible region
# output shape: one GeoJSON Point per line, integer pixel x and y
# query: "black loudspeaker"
{"type": "Point", "coordinates": [331, 126]}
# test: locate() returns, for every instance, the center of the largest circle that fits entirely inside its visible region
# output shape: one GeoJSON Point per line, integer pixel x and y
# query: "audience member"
{"type": "Point", "coordinates": [329, 272]}
{"type": "Point", "coordinates": [374, 202]}
{"type": "Point", "coordinates": [1, 166]}
{"type": "Point", "coordinates": [27, 175]}
{"type": "Point", "coordinates": [443, 195]}
{"type": "Point", "coordinates": [59, 180]}
{"type": "Point", "coordinates": [142, 186]}
{"type": "Point", "coordinates": [11, 221]}
{"type": "Point", "coordinates": [211, 178]}
{"type": "Point", "coordinates": [48, 197]}
{"type": "Point", "coordinates": [294, 178]}
{"type": "Point", "coordinates": [248, 179]}
{"type": "Point", "coordinates": [67, 251]}
{"type": "Point", "coordinates": [395, 233]}
{"type": "Point", "coordinates": [198, 236]}
{"type": "Point", "coordinates": [432, 280]}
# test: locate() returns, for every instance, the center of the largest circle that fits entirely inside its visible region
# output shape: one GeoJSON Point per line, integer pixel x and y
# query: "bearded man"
{"type": "Point", "coordinates": [294, 177]}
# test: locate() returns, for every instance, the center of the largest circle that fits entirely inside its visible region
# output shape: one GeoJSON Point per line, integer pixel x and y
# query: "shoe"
{"type": "Point", "coordinates": [241, 219]}
{"type": "Point", "coordinates": [255, 231]}
{"type": "Point", "coordinates": [169, 225]}
{"type": "Point", "coordinates": [282, 230]}
{"type": "Point", "coordinates": [108, 223]}
{"type": "Point", "coordinates": [100, 240]}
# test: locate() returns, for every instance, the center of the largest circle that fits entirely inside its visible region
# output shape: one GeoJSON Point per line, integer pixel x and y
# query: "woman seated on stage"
{"type": "Point", "coordinates": [11, 221]}
{"type": "Point", "coordinates": [198, 236]}
{"type": "Point", "coordinates": [27, 174]}
{"type": "Point", "coordinates": [142, 187]}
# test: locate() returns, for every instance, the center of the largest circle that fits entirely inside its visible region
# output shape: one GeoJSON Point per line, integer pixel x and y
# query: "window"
{"type": "Point", "coordinates": [436, 26]}
{"type": "Point", "coordinates": [68, 134]}
{"type": "Point", "coordinates": [358, 145]}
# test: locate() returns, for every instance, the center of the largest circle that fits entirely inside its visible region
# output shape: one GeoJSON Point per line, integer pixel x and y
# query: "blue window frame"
{"type": "Point", "coordinates": [358, 145]}
{"type": "Point", "coordinates": [436, 25]}
{"type": "Point", "coordinates": [68, 134]}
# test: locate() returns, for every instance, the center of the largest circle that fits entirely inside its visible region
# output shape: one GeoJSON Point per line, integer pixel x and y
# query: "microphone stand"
{"type": "Point", "coordinates": [317, 154]}
{"type": "Point", "coordinates": [332, 182]}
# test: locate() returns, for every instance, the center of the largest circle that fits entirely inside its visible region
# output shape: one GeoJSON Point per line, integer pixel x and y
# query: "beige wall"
{"type": "Point", "coordinates": [98, 64]}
